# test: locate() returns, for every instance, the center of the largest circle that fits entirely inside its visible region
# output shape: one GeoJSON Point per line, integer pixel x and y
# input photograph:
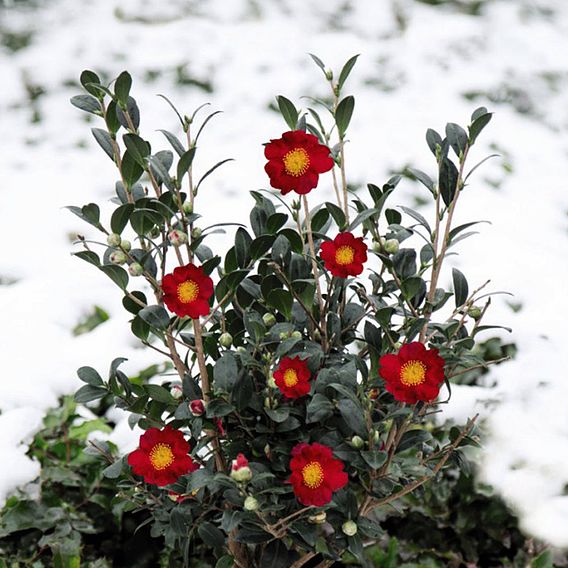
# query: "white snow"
{"type": "Point", "coordinates": [416, 64]}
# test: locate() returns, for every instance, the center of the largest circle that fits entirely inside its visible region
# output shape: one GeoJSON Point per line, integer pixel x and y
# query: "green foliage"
{"type": "Point", "coordinates": [276, 298]}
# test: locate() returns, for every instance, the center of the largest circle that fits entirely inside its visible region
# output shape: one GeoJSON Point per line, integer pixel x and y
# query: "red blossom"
{"type": "Point", "coordinates": [162, 457]}
{"type": "Point", "coordinates": [413, 374]}
{"type": "Point", "coordinates": [295, 162]}
{"type": "Point", "coordinates": [240, 462]}
{"type": "Point", "coordinates": [187, 291]}
{"type": "Point", "coordinates": [293, 377]}
{"type": "Point", "coordinates": [197, 407]}
{"type": "Point", "coordinates": [316, 474]}
{"type": "Point", "coordinates": [345, 255]}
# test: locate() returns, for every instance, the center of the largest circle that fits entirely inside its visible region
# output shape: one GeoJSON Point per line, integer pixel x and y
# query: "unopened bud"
{"type": "Point", "coordinates": [267, 451]}
{"type": "Point", "coordinates": [177, 237]}
{"type": "Point", "coordinates": [135, 269]}
{"type": "Point", "coordinates": [226, 339]}
{"type": "Point", "coordinates": [377, 246]}
{"type": "Point", "coordinates": [117, 257]}
{"type": "Point", "coordinates": [296, 335]}
{"type": "Point", "coordinates": [357, 442]}
{"type": "Point", "coordinates": [391, 246]}
{"type": "Point", "coordinates": [125, 245]}
{"type": "Point", "coordinates": [374, 393]}
{"type": "Point", "coordinates": [240, 470]}
{"type": "Point", "coordinates": [474, 312]}
{"type": "Point", "coordinates": [113, 240]}
{"type": "Point", "coordinates": [318, 518]}
{"type": "Point", "coordinates": [328, 74]}
{"type": "Point", "coordinates": [187, 208]}
{"type": "Point", "coordinates": [284, 335]}
{"type": "Point", "coordinates": [376, 436]}
{"type": "Point", "coordinates": [349, 528]}
{"type": "Point", "coordinates": [270, 403]}
{"type": "Point", "coordinates": [268, 319]}
{"type": "Point", "coordinates": [196, 233]}
{"type": "Point", "coordinates": [197, 407]}
{"type": "Point", "coordinates": [271, 382]}
{"type": "Point", "coordinates": [251, 504]}
{"type": "Point", "coordinates": [241, 349]}
{"type": "Point", "coordinates": [176, 391]}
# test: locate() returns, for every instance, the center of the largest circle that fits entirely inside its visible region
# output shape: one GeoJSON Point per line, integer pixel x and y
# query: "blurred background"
{"type": "Point", "coordinates": [423, 63]}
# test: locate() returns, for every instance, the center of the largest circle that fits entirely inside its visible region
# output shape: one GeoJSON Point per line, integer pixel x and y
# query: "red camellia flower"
{"type": "Point", "coordinates": [295, 162]}
{"type": "Point", "coordinates": [162, 456]}
{"type": "Point", "coordinates": [316, 474]}
{"type": "Point", "coordinates": [293, 377]}
{"type": "Point", "coordinates": [345, 255]}
{"type": "Point", "coordinates": [413, 374]}
{"type": "Point", "coordinates": [187, 291]}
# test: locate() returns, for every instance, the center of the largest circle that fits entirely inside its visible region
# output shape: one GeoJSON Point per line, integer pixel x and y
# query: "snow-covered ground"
{"type": "Point", "coordinates": [420, 66]}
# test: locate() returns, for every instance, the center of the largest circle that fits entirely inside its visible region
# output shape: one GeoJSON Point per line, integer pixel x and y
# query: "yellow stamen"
{"type": "Point", "coordinates": [344, 255]}
{"type": "Point", "coordinates": [290, 377]}
{"type": "Point", "coordinates": [188, 291]}
{"type": "Point", "coordinates": [312, 474]}
{"type": "Point", "coordinates": [413, 373]}
{"type": "Point", "coordinates": [296, 162]}
{"type": "Point", "coordinates": [161, 456]}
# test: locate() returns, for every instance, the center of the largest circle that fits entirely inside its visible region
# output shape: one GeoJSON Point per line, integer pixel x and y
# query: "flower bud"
{"type": "Point", "coordinates": [391, 246]}
{"type": "Point", "coordinates": [376, 436]}
{"type": "Point", "coordinates": [226, 339]}
{"type": "Point", "coordinates": [113, 240]}
{"type": "Point", "coordinates": [196, 233]}
{"type": "Point", "coordinates": [125, 245]}
{"type": "Point", "coordinates": [349, 528]}
{"type": "Point", "coordinates": [240, 470]}
{"type": "Point", "coordinates": [177, 237]}
{"type": "Point", "coordinates": [318, 518]}
{"type": "Point", "coordinates": [270, 403]}
{"type": "Point", "coordinates": [135, 269]}
{"type": "Point", "coordinates": [117, 257]}
{"type": "Point", "coordinates": [284, 335]}
{"type": "Point", "coordinates": [176, 391]}
{"type": "Point", "coordinates": [267, 451]}
{"type": "Point", "coordinates": [357, 442]}
{"type": "Point", "coordinates": [241, 349]}
{"type": "Point", "coordinates": [271, 382]}
{"type": "Point", "coordinates": [268, 319]}
{"type": "Point", "coordinates": [187, 208]}
{"type": "Point", "coordinates": [328, 74]}
{"type": "Point", "coordinates": [474, 312]}
{"type": "Point", "coordinates": [377, 246]}
{"type": "Point", "coordinates": [197, 407]}
{"type": "Point", "coordinates": [296, 335]}
{"type": "Point", "coordinates": [251, 504]}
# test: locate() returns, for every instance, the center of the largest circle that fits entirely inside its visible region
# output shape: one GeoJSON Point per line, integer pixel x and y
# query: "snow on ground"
{"type": "Point", "coordinates": [420, 67]}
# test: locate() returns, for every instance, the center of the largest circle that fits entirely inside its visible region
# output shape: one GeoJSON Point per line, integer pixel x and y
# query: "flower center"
{"type": "Point", "coordinates": [413, 373]}
{"type": "Point", "coordinates": [290, 377]}
{"type": "Point", "coordinates": [344, 255]}
{"type": "Point", "coordinates": [188, 291]}
{"type": "Point", "coordinates": [161, 456]}
{"type": "Point", "coordinates": [296, 162]}
{"type": "Point", "coordinates": [312, 475]}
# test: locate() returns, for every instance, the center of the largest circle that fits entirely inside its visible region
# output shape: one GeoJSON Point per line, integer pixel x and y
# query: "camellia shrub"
{"type": "Point", "coordinates": [306, 361]}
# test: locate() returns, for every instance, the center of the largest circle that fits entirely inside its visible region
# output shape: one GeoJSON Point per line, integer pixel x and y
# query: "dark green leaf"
{"type": "Point", "coordinates": [87, 103]}
{"type": "Point", "coordinates": [457, 138]}
{"type": "Point", "coordinates": [131, 170]}
{"type": "Point", "coordinates": [120, 217]}
{"type": "Point", "coordinates": [433, 139]}
{"type": "Point", "coordinates": [90, 376]}
{"type": "Point", "coordinates": [345, 71]}
{"type": "Point", "coordinates": [184, 164]}
{"type": "Point", "coordinates": [122, 88]}
{"type": "Point", "coordinates": [88, 79]}
{"type": "Point", "coordinates": [139, 149]}
{"type": "Point", "coordinates": [155, 316]}
{"type": "Point", "coordinates": [159, 394]}
{"type": "Point", "coordinates": [282, 301]}
{"type": "Point", "coordinates": [337, 214]}
{"type": "Point", "coordinates": [288, 111]}
{"type": "Point", "coordinates": [343, 114]}
{"type": "Point", "coordinates": [448, 180]}
{"type": "Point", "coordinates": [175, 143]}
{"type": "Point", "coordinates": [104, 140]}
{"type": "Point", "coordinates": [461, 289]}
{"type": "Point", "coordinates": [478, 125]}
{"type": "Point", "coordinates": [117, 274]}
{"type": "Point", "coordinates": [89, 393]}
{"type": "Point", "coordinates": [352, 413]}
